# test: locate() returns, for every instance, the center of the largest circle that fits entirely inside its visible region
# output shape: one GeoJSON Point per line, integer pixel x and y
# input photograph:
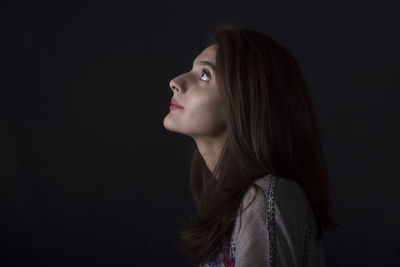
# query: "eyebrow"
{"type": "Point", "coordinates": [206, 63]}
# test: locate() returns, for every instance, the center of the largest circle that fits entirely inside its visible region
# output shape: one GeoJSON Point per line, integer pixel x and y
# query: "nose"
{"type": "Point", "coordinates": [174, 85]}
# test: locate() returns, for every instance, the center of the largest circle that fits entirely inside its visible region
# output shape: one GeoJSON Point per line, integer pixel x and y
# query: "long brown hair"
{"type": "Point", "coordinates": [271, 129]}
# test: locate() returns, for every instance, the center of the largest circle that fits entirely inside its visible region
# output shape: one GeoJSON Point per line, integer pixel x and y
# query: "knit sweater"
{"type": "Point", "coordinates": [277, 229]}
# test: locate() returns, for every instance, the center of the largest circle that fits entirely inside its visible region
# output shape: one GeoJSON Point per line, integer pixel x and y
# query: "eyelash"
{"type": "Point", "coordinates": [204, 71]}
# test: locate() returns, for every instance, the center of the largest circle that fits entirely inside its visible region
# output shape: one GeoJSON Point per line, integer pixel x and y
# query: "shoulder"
{"type": "Point", "coordinates": [271, 189]}
{"type": "Point", "coordinates": [275, 225]}
{"type": "Point", "coordinates": [274, 199]}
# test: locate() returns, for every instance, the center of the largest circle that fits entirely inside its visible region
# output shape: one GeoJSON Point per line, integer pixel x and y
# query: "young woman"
{"type": "Point", "coordinates": [258, 175]}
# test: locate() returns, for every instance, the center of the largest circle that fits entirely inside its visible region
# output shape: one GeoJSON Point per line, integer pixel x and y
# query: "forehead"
{"type": "Point", "coordinates": [208, 53]}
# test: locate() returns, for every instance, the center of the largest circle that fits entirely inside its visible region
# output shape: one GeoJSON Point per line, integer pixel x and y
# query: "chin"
{"type": "Point", "coordinates": [167, 125]}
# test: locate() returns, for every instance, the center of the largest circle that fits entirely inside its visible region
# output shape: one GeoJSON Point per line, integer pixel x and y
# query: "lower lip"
{"type": "Point", "coordinates": [174, 107]}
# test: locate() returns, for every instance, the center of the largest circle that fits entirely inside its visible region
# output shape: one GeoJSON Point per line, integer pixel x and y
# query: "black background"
{"type": "Point", "coordinates": [89, 175]}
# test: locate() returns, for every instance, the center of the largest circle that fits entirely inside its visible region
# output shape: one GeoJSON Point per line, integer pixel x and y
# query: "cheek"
{"type": "Point", "coordinates": [205, 108]}
{"type": "Point", "coordinates": [205, 116]}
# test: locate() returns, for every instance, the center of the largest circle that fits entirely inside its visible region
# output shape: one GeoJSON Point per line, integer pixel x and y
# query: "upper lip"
{"type": "Point", "coordinates": [173, 102]}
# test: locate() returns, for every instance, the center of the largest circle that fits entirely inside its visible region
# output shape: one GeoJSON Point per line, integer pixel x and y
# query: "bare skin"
{"type": "Point", "coordinates": [202, 116]}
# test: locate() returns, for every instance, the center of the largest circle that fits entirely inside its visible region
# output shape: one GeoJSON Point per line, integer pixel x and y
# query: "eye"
{"type": "Point", "coordinates": [206, 72]}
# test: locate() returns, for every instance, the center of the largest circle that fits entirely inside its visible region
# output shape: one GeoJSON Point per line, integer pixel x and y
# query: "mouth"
{"type": "Point", "coordinates": [174, 107]}
{"type": "Point", "coordinates": [175, 104]}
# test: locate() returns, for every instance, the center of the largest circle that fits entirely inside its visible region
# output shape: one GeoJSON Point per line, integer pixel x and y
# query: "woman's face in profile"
{"type": "Point", "coordinates": [196, 91]}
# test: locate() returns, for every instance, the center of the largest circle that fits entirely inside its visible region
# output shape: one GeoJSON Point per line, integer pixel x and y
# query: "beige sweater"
{"type": "Point", "coordinates": [277, 230]}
